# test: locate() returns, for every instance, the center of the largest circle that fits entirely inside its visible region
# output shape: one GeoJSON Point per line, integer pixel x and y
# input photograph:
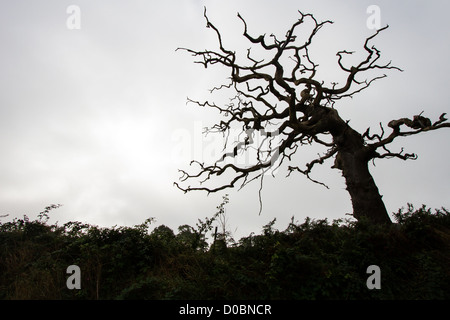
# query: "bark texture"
{"type": "Point", "coordinates": [353, 160]}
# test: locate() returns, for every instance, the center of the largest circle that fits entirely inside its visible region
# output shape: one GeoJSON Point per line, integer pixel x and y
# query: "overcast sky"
{"type": "Point", "coordinates": [95, 117]}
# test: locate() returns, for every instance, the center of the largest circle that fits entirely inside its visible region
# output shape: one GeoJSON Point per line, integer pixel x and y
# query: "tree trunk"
{"type": "Point", "coordinates": [352, 159]}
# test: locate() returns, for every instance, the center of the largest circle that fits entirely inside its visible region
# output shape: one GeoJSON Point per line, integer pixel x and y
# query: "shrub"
{"type": "Point", "coordinates": [315, 259]}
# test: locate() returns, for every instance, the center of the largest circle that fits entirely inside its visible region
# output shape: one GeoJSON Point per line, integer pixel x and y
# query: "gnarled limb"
{"type": "Point", "coordinates": [288, 107]}
{"type": "Point", "coordinates": [418, 124]}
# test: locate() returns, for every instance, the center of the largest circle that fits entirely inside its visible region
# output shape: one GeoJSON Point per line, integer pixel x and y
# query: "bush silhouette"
{"type": "Point", "coordinates": [315, 259]}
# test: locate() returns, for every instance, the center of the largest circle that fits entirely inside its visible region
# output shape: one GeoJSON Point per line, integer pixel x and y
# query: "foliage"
{"type": "Point", "coordinates": [315, 259]}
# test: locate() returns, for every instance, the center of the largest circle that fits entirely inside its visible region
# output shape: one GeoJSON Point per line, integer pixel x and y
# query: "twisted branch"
{"type": "Point", "coordinates": [289, 108]}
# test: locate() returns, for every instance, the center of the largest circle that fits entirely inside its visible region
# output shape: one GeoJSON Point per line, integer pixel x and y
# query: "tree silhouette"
{"type": "Point", "coordinates": [280, 106]}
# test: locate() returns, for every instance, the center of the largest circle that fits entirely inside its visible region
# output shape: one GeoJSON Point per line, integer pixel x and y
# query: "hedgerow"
{"type": "Point", "coordinates": [316, 259]}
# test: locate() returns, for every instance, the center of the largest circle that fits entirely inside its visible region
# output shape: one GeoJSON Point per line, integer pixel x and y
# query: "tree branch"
{"type": "Point", "coordinates": [418, 124]}
{"type": "Point", "coordinates": [289, 108]}
{"type": "Point", "coordinates": [310, 166]}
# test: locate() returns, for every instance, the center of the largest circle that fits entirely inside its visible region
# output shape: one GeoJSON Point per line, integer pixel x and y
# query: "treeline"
{"type": "Point", "coordinates": [315, 259]}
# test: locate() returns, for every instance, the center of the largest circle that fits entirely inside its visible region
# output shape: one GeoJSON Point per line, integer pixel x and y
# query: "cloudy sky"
{"type": "Point", "coordinates": [93, 111]}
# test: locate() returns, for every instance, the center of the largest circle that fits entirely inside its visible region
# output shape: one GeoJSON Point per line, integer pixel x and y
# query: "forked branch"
{"type": "Point", "coordinates": [287, 107]}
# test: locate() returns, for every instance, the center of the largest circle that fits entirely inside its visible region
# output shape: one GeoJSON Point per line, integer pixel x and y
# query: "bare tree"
{"type": "Point", "coordinates": [279, 99]}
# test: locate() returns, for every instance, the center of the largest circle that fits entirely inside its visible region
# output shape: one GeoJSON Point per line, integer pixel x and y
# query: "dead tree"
{"type": "Point", "coordinates": [280, 99]}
